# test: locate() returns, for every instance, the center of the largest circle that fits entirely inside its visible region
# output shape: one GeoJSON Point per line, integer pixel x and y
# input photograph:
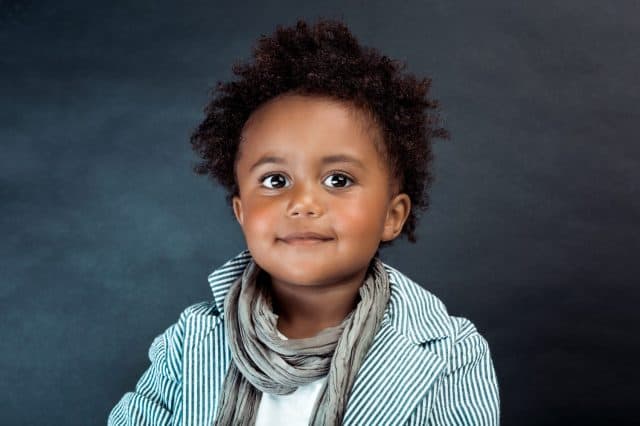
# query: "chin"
{"type": "Point", "coordinates": [303, 273]}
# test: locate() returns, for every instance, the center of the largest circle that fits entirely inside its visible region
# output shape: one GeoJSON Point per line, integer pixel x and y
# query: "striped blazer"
{"type": "Point", "coordinates": [424, 367]}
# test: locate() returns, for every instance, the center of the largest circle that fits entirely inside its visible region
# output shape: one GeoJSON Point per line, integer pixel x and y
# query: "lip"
{"type": "Point", "coordinates": [305, 238]}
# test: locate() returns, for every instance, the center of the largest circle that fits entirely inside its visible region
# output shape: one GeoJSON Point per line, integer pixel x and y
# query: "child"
{"type": "Point", "coordinates": [323, 147]}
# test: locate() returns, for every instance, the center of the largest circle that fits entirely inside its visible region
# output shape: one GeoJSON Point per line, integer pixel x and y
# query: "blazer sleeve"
{"type": "Point", "coordinates": [469, 392]}
{"type": "Point", "coordinates": [153, 401]}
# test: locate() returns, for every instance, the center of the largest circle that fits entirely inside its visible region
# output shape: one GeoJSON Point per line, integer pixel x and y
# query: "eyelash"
{"type": "Point", "coordinates": [264, 177]}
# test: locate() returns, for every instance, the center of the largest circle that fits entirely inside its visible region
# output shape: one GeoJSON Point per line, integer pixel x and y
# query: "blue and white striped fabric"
{"type": "Point", "coordinates": [424, 367]}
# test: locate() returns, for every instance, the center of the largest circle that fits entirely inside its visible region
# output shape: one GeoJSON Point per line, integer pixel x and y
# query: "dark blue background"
{"type": "Point", "coordinates": [533, 232]}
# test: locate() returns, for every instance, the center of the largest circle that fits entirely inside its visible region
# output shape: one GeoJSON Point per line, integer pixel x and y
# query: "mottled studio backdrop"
{"type": "Point", "coordinates": [533, 233]}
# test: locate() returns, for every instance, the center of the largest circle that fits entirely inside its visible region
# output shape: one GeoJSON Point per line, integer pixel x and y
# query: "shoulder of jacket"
{"type": "Point", "coordinates": [167, 347]}
{"type": "Point", "coordinates": [204, 308]}
{"type": "Point", "coordinates": [469, 346]}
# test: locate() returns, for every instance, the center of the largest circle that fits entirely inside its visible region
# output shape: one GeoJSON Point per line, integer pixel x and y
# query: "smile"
{"type": "Point", "coordinates": [305, 238]}
{"type": "Point", "coordinates": [305, 241]}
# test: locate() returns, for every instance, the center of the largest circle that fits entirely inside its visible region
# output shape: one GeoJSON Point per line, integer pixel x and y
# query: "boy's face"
{"type": "Point", "coordinates": [348, 203]}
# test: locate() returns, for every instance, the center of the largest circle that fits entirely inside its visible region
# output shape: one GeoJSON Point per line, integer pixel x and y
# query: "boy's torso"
{"type": "Point", "coordinates": [394, 386]}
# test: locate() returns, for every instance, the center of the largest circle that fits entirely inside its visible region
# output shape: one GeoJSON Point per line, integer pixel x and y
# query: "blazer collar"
{"type": "Point", "coordinates": [412, 311]}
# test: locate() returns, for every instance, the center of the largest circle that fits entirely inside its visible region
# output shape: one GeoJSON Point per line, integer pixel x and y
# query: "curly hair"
{"type": "Point", "coordinates": [326, 60]}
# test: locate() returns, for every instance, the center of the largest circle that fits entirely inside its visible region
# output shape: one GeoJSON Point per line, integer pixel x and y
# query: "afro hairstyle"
{"type": "Point", "coordinates": [326, 60]}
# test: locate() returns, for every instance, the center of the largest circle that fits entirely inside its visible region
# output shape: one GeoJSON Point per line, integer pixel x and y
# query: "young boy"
{"type": "Point", "coordinates": [323, 147]}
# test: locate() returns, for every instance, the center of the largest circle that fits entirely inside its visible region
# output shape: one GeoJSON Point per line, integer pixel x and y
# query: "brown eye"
{"type": "Point", "coordinates": [338, 180]}
{"type": "Point", "coordinates": [274, 179]}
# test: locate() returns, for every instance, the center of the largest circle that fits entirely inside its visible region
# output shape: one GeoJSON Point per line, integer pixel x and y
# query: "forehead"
{"type": "Point", "coordinates": [297, 124]}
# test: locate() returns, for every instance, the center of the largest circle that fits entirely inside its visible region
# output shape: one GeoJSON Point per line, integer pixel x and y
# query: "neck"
{"type": "Point", "coordinates": [304, 311]}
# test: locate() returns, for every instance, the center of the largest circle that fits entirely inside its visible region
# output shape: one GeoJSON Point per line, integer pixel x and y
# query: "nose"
{"type": "Point", "coordinates": [305, 200]}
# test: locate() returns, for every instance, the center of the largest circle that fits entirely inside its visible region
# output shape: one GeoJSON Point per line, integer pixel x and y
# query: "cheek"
{"type": "Point", "coordinates": [260, 218]}
{"type": "Point", "coordinates": [359, 219]}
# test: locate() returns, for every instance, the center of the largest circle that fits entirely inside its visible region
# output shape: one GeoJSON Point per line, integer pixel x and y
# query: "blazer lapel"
{"type": "Point", "coordinates": [205, 362]}
{"type": "Point", "coordinates": [400, 368]}
{"type": "Point", "coordinates": [394, 377]}
{"type": "Point", "coordinates": [207, 356]}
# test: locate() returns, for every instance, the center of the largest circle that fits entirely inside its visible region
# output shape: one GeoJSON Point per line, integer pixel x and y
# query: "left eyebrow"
{"type": "Point", "coordinates": [342, 158]}
{"type": "Point", "coordinates": [338, 158]}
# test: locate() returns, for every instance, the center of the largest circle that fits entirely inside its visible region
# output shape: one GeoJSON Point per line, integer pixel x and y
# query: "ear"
{"type": "Point", "coordinates": [237, 210]}
{"type": "Point", "coordinates": [399, 209]}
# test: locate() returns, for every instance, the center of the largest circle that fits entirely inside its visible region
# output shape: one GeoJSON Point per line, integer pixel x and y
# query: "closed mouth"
{"type": "Point", "coordinates": [305, 239]}
{"type": "Point", "coordinates": [306, 235]}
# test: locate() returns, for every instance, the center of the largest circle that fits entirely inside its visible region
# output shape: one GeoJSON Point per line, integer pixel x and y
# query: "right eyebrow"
{"type": "Point", "coordinates": [267, 159]}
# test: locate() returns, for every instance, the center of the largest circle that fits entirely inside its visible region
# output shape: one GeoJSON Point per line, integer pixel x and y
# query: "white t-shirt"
{"type": "Point", "coordinates": [289, 410]}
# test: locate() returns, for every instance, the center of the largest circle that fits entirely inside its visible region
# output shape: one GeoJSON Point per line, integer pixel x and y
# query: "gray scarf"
{"type": "Point", "coordinates": [263, 362]}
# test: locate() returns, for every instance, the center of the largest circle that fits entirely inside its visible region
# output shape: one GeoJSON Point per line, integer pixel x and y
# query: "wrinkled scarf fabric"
{"type": "Point", "coordinates": [262, 362]}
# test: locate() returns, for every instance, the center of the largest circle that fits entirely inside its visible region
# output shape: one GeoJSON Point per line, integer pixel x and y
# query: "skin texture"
{"type": "Point", "coordinates": [314, 284]}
